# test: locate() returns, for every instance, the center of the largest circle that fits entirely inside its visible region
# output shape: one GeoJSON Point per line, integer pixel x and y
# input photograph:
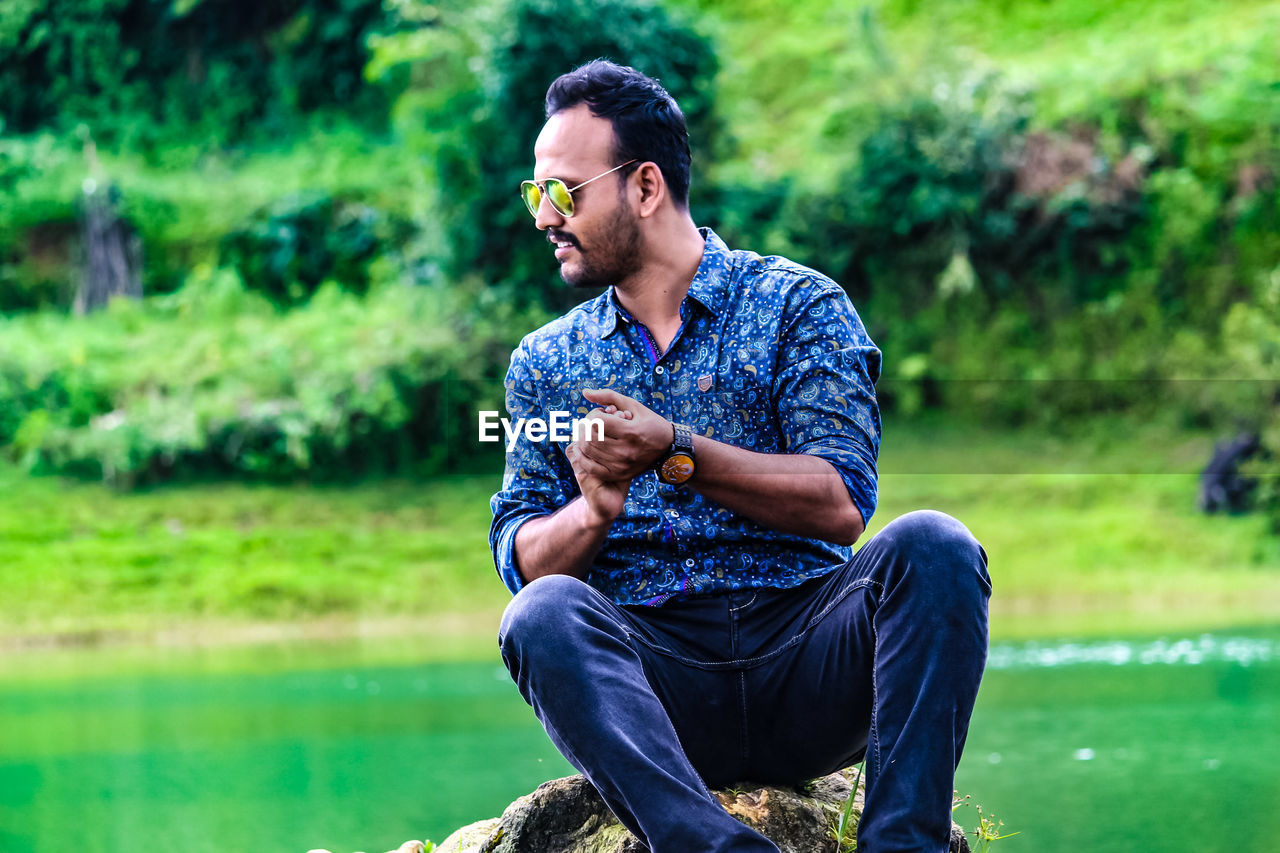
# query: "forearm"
{"type": "Point", "coordinates": [790, 493]}
{"type": "Point", "coordinates": [563, 543]}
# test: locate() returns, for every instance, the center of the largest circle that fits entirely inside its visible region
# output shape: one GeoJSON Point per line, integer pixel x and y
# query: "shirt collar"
{"type": "Point", "coordinates": [709, 288]}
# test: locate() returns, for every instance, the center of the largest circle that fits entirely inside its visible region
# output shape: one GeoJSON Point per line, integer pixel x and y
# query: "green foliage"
{"type": "Point", "coordinates": [950, 217]}
{"type": "Point", "coordinates": [185, 206]}
{"type": "Point", "coordinates": [213, 381]}
{"type": "Point", "coordinates": [287, 250]}
{"type": "Point", "coordinates": [845, 830]}
{"type": "Point", "coordinates": [129, 68]}
{"type": "Point", "coordinates": [1048, 241]}
{"type": "Point", "coordinates": [931, 178]}
{"type": "Point", "coordinates": [988, 829]}
{"type": "Point", "coordinates": [1250, 399]}
{"type": "Point", "coordinates": [37, 223]}
{"type": "Point", "coordinates": [483, 73]}
{"type": "Point", "coordinates": [1030, 236]}
{"type": "Point", "coordinates": [788, 67]}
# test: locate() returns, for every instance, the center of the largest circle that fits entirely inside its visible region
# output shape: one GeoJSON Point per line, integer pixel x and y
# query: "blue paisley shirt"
{"type": "Point", "coordinates": [770, 356]}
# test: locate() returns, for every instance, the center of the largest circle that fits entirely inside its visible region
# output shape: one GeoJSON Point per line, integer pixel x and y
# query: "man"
{"type": "Point", "coordinates": [688, 611]}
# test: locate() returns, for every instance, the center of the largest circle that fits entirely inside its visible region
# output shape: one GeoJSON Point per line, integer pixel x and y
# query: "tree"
{"type": "Point", "coordinates": [480, 136]}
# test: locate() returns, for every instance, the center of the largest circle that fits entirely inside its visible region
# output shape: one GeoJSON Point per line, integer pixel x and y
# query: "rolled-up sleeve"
{"type": "Point", "coordinates": [537, 480]}
{"type": "Point", "coordinates": [825, 390]}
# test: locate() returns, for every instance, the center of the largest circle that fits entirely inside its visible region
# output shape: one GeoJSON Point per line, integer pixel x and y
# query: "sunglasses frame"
{"type": "Point", "coordinates": [541, 187]}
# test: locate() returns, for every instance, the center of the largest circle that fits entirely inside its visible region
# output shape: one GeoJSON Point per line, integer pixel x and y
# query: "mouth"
{"type": "Point", "coordinates": [562, 246]}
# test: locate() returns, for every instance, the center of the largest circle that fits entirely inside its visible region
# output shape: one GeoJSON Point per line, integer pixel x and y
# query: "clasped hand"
{"type": "Point", "coordinates": [635, 437]}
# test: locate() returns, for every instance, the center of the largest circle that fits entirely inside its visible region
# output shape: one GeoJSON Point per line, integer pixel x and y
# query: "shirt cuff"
{"type": "Point", "coordinates": [504, 551]}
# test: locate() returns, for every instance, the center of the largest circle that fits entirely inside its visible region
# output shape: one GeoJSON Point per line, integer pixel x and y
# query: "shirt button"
{"type": "Point", "coordinates": [671, 513]}
{"type": "Point", "coordinates": [659, 370]}
{"type": "Point", "coordinates": [689, 563]}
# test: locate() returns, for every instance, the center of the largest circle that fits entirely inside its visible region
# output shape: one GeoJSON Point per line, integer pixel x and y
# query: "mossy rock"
{"type": "Point", "coordinates": [568, 816]}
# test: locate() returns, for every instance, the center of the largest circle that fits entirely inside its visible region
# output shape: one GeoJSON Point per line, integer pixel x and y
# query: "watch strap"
{"type": "Point", "coordinates": [677, 466]}
{"type": "Point", "coordinates": [682, 442]}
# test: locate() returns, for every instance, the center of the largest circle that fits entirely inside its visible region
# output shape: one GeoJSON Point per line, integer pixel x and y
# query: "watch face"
{"type": "Point", "coordinates": [677, 468]}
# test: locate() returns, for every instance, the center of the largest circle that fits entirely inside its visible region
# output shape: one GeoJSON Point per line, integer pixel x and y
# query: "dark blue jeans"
{"type": "Point", "coordinates": [881, 657]}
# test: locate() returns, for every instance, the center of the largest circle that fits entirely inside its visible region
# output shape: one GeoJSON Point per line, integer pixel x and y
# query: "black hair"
{"type": "Point", "coordinates": [647, 122]}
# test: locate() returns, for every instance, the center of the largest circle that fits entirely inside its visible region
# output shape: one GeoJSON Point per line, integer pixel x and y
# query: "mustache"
{"type": "Point", "coordinates": [554, 236]}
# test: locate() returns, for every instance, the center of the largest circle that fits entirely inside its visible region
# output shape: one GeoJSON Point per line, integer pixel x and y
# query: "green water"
{"type": "Point", "coordinates": [1146, 745]}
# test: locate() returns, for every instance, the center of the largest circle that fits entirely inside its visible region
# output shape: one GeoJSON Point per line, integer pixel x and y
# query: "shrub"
{"type": "Point", "coordinates": [477, 105]}
{"type": "Point", "coordinates": [212, 381]}
{"type": "Point", "coordinates": [288, 249]}
{"type": "Point", "coordinates": [131, 67]}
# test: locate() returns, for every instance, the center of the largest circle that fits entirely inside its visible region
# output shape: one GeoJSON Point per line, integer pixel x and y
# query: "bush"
{"type": "Point", "coordinates": [964, 237]}
{"type": "Point", "coordinates": [1251, 358]}
{"type": "Point", "coordinates": [185, 208]}
{"type": "Point", "coordinates": [287, 250]}
{"type": "Point", "coordinates": [132, 67]}
{"type": "Point", "coordinates": [476, 106]}
{"type": "Point", "coordinates": [212, 381]}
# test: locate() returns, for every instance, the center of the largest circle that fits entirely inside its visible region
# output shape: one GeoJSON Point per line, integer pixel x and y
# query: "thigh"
{"type": "Point", "coordinates": [809, 694]}
{"type": "Point", "coordinates": [687, 649]}
{"type": "Point", "coordinates": [706, 710]}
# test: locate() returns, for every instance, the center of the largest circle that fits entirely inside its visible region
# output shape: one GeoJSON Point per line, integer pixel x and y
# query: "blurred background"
{"type": "Point", "coordinates": [262, 263]}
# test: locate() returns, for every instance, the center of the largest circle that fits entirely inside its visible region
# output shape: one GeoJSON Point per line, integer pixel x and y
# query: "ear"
{"type": "Point", "coordinates": [652, 187]}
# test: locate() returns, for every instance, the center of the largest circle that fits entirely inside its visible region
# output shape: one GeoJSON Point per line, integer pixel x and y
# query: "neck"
{"type": "Point", "coordinates": [652, 295]}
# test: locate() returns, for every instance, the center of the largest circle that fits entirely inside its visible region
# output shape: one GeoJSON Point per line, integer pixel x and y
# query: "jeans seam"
{"type": "Point", "coordinates": [874, 731]}
{"type": "Point", "coordinates": [754, 595]}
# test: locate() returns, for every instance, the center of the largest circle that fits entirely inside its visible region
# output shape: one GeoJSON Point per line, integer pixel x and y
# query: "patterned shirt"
{"type": "Point", "coordinates": [770, 356]}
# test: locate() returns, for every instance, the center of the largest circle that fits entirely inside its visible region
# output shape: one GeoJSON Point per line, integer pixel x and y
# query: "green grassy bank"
{"type": "Point", "coordinates": [1090, 533]}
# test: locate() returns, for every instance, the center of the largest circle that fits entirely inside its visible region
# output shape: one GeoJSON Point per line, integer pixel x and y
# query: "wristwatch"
{"type": "Point", "coordinates": [678, 465]}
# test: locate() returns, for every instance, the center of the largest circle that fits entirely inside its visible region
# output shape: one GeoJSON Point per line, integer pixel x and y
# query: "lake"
{"type": "Point", "coordinates": [1156, 743]}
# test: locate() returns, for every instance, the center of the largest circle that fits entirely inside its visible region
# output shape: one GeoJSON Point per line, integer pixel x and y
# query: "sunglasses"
{"type": "Point", "coordinates": [556, 192]}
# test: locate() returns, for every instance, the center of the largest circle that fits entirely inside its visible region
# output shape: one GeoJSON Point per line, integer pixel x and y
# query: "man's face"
{"type": "Point", "coordinates": [600, 245]}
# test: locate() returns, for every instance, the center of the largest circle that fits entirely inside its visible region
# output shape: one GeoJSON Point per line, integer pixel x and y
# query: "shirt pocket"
{"type": "Point", "coordinates": [737, 409]}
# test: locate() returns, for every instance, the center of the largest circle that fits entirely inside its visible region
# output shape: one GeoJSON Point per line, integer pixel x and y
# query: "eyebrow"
{"type": "Point", "coordinates": [570, 182]}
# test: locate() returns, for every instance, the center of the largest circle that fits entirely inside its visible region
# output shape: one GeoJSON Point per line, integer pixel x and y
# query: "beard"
{"type": "Point", "coordinates": [612, 258]}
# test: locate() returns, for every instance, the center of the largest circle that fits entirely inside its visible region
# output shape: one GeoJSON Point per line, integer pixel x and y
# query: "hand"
{"type": "Point", "coordinates": [604, 496]}
{"type": "Point", "coordinates": [631, 445]}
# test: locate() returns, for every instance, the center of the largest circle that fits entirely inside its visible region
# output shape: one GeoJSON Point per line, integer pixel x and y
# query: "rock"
{"type": "Point", "coordinates": [407, 847]}
{"type": "Point", "coordinates": [568, 816]}
{"type": "Point", "coordinates": [470, 837]}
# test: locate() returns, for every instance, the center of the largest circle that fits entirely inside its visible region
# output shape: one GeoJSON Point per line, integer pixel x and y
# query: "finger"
{"type": "Point", "coordinates": [586, 468]}
{"type": "Point", "coordinates": [607, 454]}
{"type": "Point", "coordinates": [615, 459]}
{"type": "Point", "coordinates": [606, 396]}
{"type": "Point", "coordinates": [604, 416]}
{"type": "Point", "coordinates": [589, 449]}
{"type": "Point", "coordinates": [596, 414]}
{"type": "Point", "coordinates": [582, 464]}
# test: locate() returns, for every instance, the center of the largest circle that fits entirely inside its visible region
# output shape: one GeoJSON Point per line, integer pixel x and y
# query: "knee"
{"type": "Point", "coordinates": [548, 632]}
{"type": "Point", "coordinates": [939, 548]}
{"type": "Point", "coordinates": [542, 612]}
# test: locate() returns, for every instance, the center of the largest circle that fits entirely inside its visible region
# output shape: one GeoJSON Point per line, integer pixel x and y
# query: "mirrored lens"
{"type": "Point", "coordinates": [558, 195]}
{"type": "Point", "coordinates": [532, 196]}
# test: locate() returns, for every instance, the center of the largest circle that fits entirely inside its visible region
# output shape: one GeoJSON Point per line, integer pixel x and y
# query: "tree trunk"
{"type": "Point", "coordinates": [113, 252]}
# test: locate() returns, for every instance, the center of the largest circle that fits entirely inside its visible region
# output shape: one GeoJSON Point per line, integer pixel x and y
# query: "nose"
{"type": "Point", "coordinates": [548, 216]}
